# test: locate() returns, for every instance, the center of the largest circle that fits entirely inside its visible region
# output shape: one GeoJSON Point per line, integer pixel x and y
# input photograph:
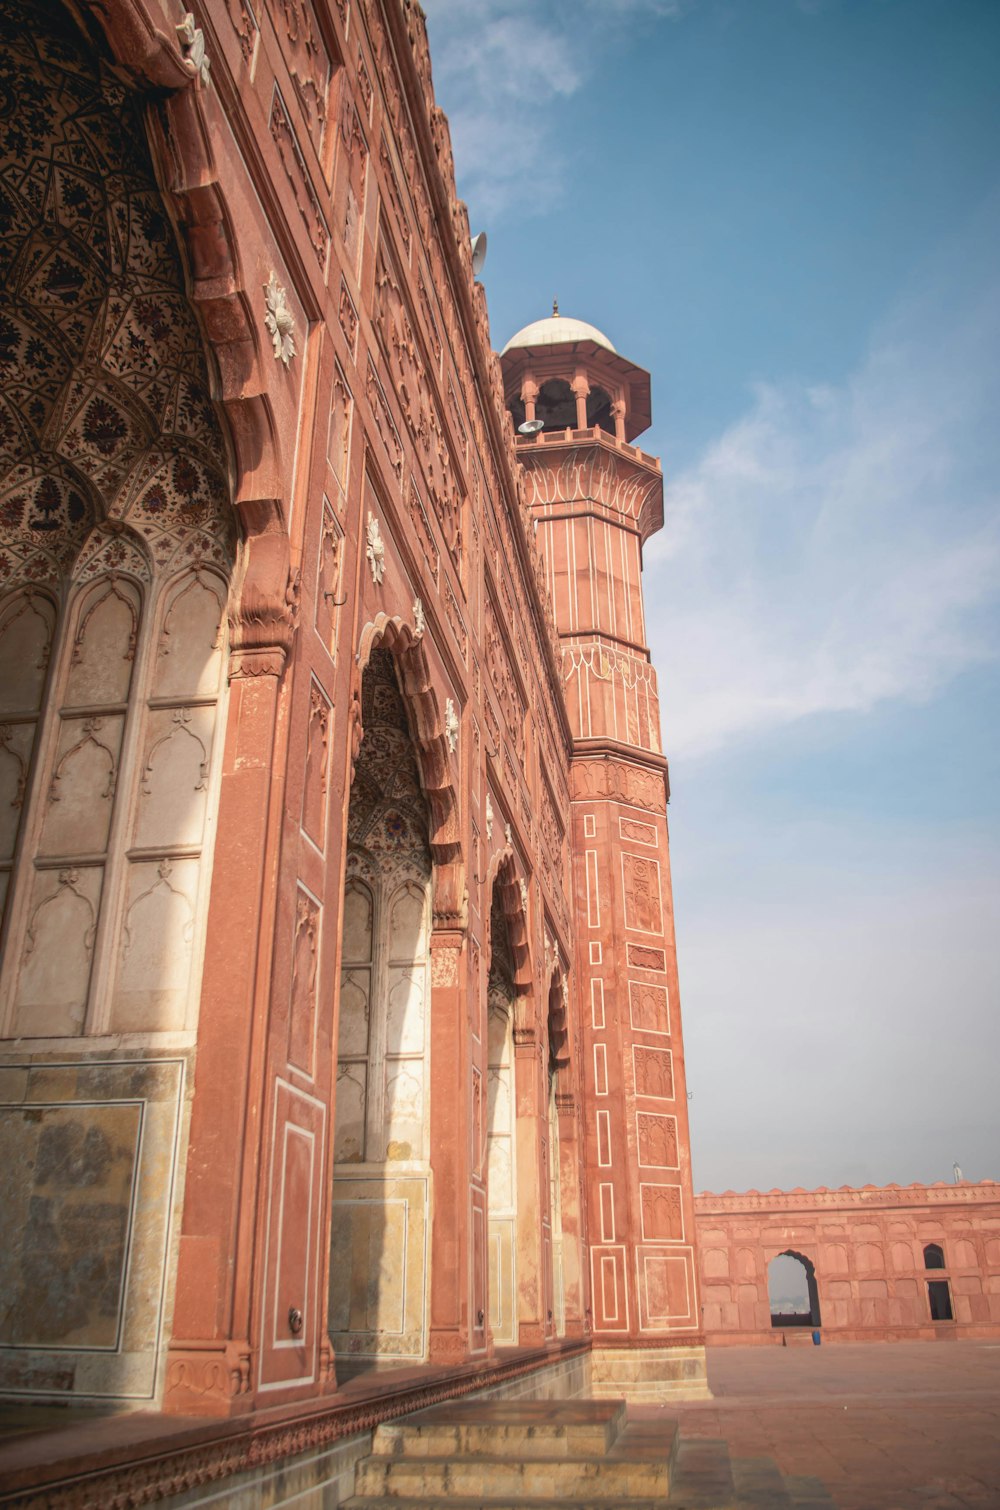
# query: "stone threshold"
{"type": "Point", "coordinates": [90, 1457]}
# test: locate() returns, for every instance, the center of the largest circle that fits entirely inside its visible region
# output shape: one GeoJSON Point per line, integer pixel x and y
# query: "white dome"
{"type": "Point", "coordinates": [556, 330]}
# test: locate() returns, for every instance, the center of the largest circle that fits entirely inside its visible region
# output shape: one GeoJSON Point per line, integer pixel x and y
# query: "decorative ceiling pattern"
{"type": "Point", "coordinates": [105, 413]}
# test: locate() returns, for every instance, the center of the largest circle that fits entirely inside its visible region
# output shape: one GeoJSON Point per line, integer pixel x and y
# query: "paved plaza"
{"type": "Point", "coordinates": [904, 1426]}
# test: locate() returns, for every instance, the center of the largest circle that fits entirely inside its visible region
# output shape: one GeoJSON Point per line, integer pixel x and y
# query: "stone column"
{"type": "Point", "coordinates": [450, 1334]}
{"type": "Point", "coordinates": [530, 1127]}
{"type": "Point", "coordinates": [581, 392]}
{"type": "Point", "coordinates": [209, 1363]}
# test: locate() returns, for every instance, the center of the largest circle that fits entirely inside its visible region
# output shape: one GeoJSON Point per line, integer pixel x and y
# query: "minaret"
{"type": "Point", "coordinates": [595, 498]}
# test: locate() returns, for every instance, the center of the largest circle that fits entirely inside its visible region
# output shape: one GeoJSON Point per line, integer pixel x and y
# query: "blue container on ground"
{"type": "Point", "coordinates": [817, 1339]}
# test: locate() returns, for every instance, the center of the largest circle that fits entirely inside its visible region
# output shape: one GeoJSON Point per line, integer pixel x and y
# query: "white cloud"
{"type": "Point", "coordinates": [839, 546]}
{"type": "Point", "coordinates": [500, 71]}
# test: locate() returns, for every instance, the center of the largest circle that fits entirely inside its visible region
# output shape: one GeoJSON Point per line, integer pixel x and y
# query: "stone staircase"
{"type": "Point", "coordinates": [543, 1454]}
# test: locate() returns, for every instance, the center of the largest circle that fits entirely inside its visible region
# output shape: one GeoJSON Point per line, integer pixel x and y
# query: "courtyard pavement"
{"type": "Point", "coordinates": [886, 1426]}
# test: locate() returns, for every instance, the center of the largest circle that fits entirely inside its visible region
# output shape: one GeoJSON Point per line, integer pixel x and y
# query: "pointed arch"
{"type": "Point", "coordinates": [511, 888]}
{"type": "Point", "coordinates": [434, 759]}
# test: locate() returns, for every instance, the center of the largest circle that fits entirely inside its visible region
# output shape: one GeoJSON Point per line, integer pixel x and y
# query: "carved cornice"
{"type": "Point", "coordinates": [404, 23]}
{"type": "Point", "coordinates": [847, 1198]}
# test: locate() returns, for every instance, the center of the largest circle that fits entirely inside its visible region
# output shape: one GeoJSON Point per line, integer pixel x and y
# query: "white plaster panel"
{"type": "Point", "coordinates": [357, 923]}
{"type": "Point", "coordinates": [25, 646]}
{"type": "Point", "coordinates": [354, 1012]}
{"type": "Point", "coordinates": [407, 925]}
{"type": "Point", "coordinates": [189, 649]}
{"type": "Point", "coordinates": [81, 793]}
{"type": "Point", "coordinates": [404, 1109]}
{"type": "Point", "coordinates": [157, 941]}
{"type": "Point", "coordinates": [501, 1174]}
{"type": "Point", "coordinates": [349, 1137]}
{"type": "Point", "coordinates": [173, 789]}
{"type": "Point", "coordinates": [51, 993]}
{"type": "Point", "coordinates": [104, 651]}
{"type": "Point", "coordinates": [16, 741]}
{"type": "Point", "coordinates": [405, 1013]}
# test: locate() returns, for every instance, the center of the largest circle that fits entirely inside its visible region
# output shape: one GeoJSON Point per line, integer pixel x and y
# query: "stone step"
{"type": "Point", "coordinates": [759, 1484]}
{"type": "Point", "coordinates": [702, 1478]}
{"type": "Point", "coordinates": [808, 1493]}
{"type": "Point", "coordinates": [527, 1429]}
{"type": "Point", "coordinates": [479, 1502]}
{"type": "Point", "coordinates": [577, 1479]}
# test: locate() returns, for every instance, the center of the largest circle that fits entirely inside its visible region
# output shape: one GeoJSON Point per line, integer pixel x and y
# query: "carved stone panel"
{"type": "Point", "coordinates": [648, 1007]}
{"type": "Point", "coordinates": [302, 1006]}
{"type": "Point", "coordinates": [294, 164]}
{"type": "Point", "coordinates": [314, 795]}
{"type": "Point", "coordinates": [654, 1072]}
{"type": "Point", "coordinates": [662, 1217]}
{"type": "Point", "coordinates": [656, 1137]}
{"type": "Point", "coordinates": [641, 890]}
{"type": "Point", "coordinates": [309, 63]}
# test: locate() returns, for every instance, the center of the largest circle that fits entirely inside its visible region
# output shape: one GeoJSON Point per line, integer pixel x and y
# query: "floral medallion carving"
{"type": "Point", "coordinates": [375, 549]}
{"type": "Point", "coordinates": [280, 321]}
{"type": "Point", "coordinates": [451, 725]}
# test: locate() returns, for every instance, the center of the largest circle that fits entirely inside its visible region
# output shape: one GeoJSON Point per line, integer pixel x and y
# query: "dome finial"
{"type": "Point", "coordinates": [555, 309]}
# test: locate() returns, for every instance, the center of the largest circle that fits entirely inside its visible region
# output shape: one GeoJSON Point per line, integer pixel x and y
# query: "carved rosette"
{"type": "Point", "coordinates": [375, 549]}
{"type": "Point", "coordinates": [451, 725]}
{"type": "Point", "coordinates": [280, 321]}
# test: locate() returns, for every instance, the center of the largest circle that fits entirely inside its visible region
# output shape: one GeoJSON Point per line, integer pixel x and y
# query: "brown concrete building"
{"type": "Point", "coordinates": [339, 1009]}
{"type": "Point", "coordinates": [883, 1264]}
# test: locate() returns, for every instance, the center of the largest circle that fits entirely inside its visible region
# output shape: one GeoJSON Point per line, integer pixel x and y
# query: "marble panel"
{"type": "Point", "coordinates": [157, 944]}
{"type": "Point", "coordinates": [25, 647]}
{"type": "Point", "coordinates": [349, 1134]}
{"type": "Point", "coordinates": [54, 979]}
{"type": "Point", "coordinates": [66, 1179]}
{"type": "Point", "coordinates": [104, 649]}
{"type": "Point", "coordinates": [404, 1109]}
{"type": "Point", "coordinates": [378, 1267]}
{"type": "Point", "coordinates": [189, 651]}
{"type": "Point", "coordinates": [173, 788]}
{"type": "Point", "coordinates": [81, 793]}
{"type": "Point", "coordinates": [405, 1026]}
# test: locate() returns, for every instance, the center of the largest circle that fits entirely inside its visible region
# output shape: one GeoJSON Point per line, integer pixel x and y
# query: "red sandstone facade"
{"type": "Point", "coordinates": [875, 1252]}
{"type": "Point", "coordinates": [339, 1011]}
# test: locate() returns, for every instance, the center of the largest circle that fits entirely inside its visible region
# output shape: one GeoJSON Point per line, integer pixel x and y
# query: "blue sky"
{"type": "Point", "coordinates": [789, 211]}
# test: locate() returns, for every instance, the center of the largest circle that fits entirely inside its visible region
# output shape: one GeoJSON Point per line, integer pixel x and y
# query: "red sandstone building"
{"type": "Point", "coordinates": [339, 1001]}
{"type": "Point", "coordinates": [883, 1264]}
{"type": "Point", "coordinates": [340, 1047]}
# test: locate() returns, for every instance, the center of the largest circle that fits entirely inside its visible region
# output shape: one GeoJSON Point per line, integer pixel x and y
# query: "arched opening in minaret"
{"type": "Point", "coordinates": [599, 410]}
{"type": "Point", "coordinates": [501, 1132]}
{"type": "Point", "coordinates": [555, 406]}
{"type": "Point", "coordinates": [792, 1291]}
{"type": "Point", "coordinates": [378, 1276]}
